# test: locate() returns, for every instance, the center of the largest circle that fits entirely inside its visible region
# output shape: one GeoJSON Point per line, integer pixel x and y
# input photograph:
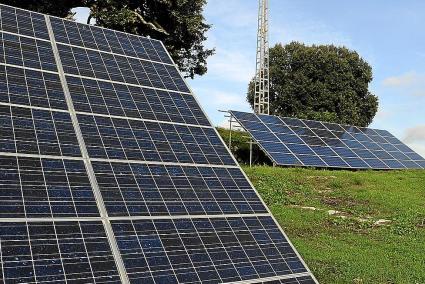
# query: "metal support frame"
{"type": "Point", "coordinates": [250, 153]}
{"type": "Point", "coordinates": [262, 75]}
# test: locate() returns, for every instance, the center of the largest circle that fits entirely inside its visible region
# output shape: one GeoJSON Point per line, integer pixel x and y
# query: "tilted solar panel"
{"type": "Point", "coordinates": [110, 172]}
{"type": "Point", "coordinates": [299, 142]}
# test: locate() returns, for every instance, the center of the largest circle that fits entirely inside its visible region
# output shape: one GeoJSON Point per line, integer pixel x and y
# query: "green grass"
{"type": "Point", "coordinates": [351, 249]}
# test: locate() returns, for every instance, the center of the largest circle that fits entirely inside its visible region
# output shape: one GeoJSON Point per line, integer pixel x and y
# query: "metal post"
{"type": "Point", "coordinates": [230, 134]}
{"type": "Point", "coordinates": [250, 153]}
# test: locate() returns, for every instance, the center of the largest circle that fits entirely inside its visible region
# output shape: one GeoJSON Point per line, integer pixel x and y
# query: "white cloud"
{"type": "Point", "coordinates": [383, 114]}
{"type": "Point", "coordinates": [408, 79]}
{"type": "Point", "coordinates": [222, 99]}
{"type": "Point", "coordinates": [415, 138]}
{"type": "Point", "coordinates": [82, 14]}
{"type": "Point", "coordinates": [418, 148]}
{"type": "Point", "coordinates": [415, 134]}
{"type": "Point", "coordinates": [231, 66]}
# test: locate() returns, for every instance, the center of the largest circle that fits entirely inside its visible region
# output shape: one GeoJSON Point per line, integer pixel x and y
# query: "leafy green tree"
{"type": "Point", "coordinates": [320, 82]}
{"type": "Point", "coordinates": [178, 23]}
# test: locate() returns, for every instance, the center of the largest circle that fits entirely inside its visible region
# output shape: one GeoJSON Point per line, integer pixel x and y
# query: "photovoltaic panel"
{"type": "Point", "coordinates": [194, 250]}
{"type": "Point", "coordinates": [31, 87]}
{"type": "Point", "coordinates": [34, 187]}
{"type": "Point", "coordinates": [56, 252]}
{"type": "Point", "coordinates": [297, 142]}
{"type": "Point", "coordinates": [37, 131]}
{"type": "Point", "coordinates": [158, 190]}
{"type": "Point", "coordinates": [108, 98]}
{"type": "Point", "coordinates": [111, 172]}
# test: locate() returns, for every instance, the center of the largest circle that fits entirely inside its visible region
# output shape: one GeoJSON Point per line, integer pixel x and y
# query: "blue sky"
{"type": "Point", "coordinates": [389, 34]}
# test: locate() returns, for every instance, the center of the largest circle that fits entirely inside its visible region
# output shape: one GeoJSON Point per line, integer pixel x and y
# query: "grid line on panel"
{"type": "Point", "coordinates": [89, 168]}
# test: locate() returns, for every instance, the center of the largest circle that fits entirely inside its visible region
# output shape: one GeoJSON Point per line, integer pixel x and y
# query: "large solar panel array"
{"type": "Point", "coordinates": [298, 142]}
{"type": "Point", "coordinates": [110, 171]}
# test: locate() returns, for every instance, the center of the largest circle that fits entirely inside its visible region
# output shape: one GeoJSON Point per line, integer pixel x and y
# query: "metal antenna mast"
{"type": "Point", "coordinates": [261, 98]}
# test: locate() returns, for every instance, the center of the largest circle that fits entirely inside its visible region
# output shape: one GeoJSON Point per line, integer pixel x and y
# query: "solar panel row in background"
{"type": "Point", "coordinates": [296, 142]}
{"type": "Point", "coordinates": [159, 199]}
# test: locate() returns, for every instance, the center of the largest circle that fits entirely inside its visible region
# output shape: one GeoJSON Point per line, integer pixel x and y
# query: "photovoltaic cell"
{"type": "Point", "coordinates": [290, 141]}
{"type": "Point", "coordinates": [111, 172]}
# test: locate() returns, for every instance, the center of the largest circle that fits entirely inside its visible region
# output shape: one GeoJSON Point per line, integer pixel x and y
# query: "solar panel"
{"type": "Point", "coordinates": [298, 142]}
{"type": "Point", "coordinates": [111, 172]}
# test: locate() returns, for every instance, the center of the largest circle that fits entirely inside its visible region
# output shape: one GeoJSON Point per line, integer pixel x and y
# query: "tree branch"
{"type": "Point", "coordinates": [89, 18]}
{"type": "Point", "coordinates": [156, 27]}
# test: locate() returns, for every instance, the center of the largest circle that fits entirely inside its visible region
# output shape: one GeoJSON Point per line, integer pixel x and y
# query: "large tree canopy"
{"type": "Point", "coordinates": [322, 82]}
{"type": "Point", "coordinates": [178, 23]}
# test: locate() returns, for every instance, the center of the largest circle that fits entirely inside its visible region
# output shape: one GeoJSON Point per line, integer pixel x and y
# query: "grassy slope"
{"type": "Point", "coordinates": [349, 250]}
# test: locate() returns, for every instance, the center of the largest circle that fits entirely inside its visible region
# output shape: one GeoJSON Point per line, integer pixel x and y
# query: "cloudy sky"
{"type": "Point", "coordinates": [389, 34]}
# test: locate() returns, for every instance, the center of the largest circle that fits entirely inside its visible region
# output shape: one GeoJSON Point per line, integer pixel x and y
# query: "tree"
{"type": "Point", "coordinates": [178, 23]}
{"type": "Point", "coordinates": [320, 82]}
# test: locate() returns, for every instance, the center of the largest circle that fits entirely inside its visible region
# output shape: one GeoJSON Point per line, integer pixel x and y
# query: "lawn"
{"type": "Point", "coordinates": [374, 233]}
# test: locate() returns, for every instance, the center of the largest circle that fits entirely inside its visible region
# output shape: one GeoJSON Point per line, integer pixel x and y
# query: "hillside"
{"type": "Point", "coordinates": [351, 227]}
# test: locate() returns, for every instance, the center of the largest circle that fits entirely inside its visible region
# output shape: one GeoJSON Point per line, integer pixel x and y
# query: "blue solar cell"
{"type": "Point", "coordinates": [335, 161]}
{"type": "Point", "coordinates": [289, 138]}
{"type": "Point", "coordinates": [394, 164]}
{"type": "Point", "coordinates": [286, 159]}
{"type": "Point", "coordinates": [275, 147]}
{"type": "Point", "coordinates": [421, 163]}
{"type": "Point", "coordinates": [410, 164]}
{"type": "Point", "coordinates": [344, 152]}
{"type": "Point", "coordinates": [309, 160]}
{"type": "Point", "coordinates": [323, 151]}
{"type": "Point", "coordinates": [364, 154]}
{"type": "Point", "coordinates": [356, 163]}
{"type": "Point", "coordinates": [300, 149]}
{"type": "Point", "coordinates": [376, 164]}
